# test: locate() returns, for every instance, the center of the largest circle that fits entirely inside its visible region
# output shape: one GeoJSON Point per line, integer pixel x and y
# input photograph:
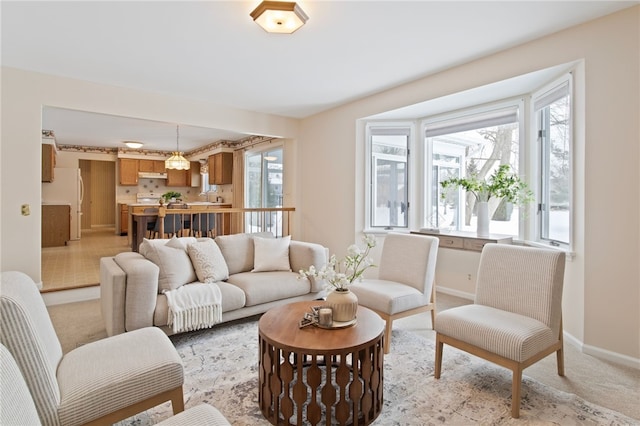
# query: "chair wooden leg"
{"type": "Point", "coordinates": [433, 318]}
{"type": "Point", "coordinates": [560, 361]}
{"type": "Point", "coordinates": [438, 366]}
{"type": "Point", "coordinates": [515, 392]}
{"type": "Point", "coordinates": [560, 353]}
{"type": "Point", "coordinates": [177, 400]}
{"type": "Point", "coordinates": [387, 335]}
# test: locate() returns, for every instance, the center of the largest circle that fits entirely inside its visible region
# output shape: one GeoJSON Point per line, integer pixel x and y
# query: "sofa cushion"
{"type": "Point", "coordinates": [174, 263]}
{"type": "Point", "coordinates": [237, 250]}
{"type": "Point", "coordinates": [269, 286]}
{"type": "Point", "coordinates": [271, 254]}
{"type": "Point", "coordinates": [208, 261]}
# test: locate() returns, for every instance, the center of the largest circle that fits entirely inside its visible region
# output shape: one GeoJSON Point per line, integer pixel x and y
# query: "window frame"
{"type": "Point", "coordinates": [539, 163]}
{"type": "Point", "coordinates": [385, 127]}
{"type": "Point", "coordinates": [463, 117]}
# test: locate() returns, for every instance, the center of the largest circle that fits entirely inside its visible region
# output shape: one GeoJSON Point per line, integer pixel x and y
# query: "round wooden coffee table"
{"type": "Point", "coordinates": [312, 375]}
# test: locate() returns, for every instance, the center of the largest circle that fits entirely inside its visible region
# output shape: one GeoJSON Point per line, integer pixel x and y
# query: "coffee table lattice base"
{"type": "Point", "coordinates": [322, 388]}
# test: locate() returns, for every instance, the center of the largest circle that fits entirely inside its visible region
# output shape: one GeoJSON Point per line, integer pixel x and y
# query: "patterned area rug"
{"type": "Point", "coordinates": [221, 369]}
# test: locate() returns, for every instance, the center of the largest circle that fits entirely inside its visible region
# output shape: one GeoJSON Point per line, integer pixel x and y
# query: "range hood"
{"type": "Point", "coordinates": [152, 175]}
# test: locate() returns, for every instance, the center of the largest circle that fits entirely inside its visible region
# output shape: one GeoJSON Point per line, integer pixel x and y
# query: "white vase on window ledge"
{"type": "Point", "coordinates": [483, 219]}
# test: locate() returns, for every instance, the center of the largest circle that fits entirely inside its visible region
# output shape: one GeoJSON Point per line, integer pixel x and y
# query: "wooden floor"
{"type": "Point", "coordinates": [78, 263]}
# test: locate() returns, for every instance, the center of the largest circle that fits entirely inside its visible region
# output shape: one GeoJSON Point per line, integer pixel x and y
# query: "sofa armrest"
{"type": "Point", "coordinates": [141, 290]}
{"type": "Point", "coordinates": [303, 254]}
{"type": "Point", "coordinates": [112, 295]}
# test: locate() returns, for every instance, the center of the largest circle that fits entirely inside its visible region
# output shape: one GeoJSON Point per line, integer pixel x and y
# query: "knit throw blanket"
{"type": "Point", "coordinates": [195, 306]}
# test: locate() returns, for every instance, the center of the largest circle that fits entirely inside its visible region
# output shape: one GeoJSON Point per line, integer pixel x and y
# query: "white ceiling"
{"type": "Point", "coordinates": [213, 51]}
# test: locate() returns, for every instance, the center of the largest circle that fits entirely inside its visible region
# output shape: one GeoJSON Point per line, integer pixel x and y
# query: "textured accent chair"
{"type": "Point", "coordinates": [16, 404]}
{"type": "Point", "coordinates": [98, 383]}
{"type": "Point", "coordinates": [405, 284]}
{"type": "Point", "coordinates": [17, 407]}
{"type": "Point", "coordinates": [516, 318]}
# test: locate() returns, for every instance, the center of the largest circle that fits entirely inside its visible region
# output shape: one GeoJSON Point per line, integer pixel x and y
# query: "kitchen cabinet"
{"type": "Point", "coordinates": [195, 174]}
{"type": "Point", "coordinates": [48, 162]}
{"type": "Point", "coordinates": [56, 225]}
{"type": "Point", "coordinates": [128, 170]}
{"type": "Point", "coordinates": [152, 166]}
{"type": "Point", "coordinates": [178, 177]}
{"type": "Point", "coordinates": [124, 219]}
{"type": "Point", "coordinates": [221, 168]}
{"type": "Point", "coordinates": [184, 177]}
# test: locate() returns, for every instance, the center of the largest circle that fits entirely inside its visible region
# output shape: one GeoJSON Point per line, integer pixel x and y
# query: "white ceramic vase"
{"type": "Point", "coordinates": [483, 219]}
{"type": "Point", "coordinates": [344, 305]}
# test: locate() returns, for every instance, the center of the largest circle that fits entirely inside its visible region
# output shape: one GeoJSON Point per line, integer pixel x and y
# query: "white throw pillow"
{"type": "Point", "coordinates": [271, 254]}
{"type": "Point", "coordinates": [237, 250]}
{"type": "Point", "coordinates": [174, 263]}
{"type": "Point", "coordinates": [208, 261]}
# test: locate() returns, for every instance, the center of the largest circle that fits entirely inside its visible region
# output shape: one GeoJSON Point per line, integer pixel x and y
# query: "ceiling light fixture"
{"type": "Point", "coordinates": [282, 17]}
{"type": "Point", "coordinates": [133, 144]}
{"type": "Point", "coordinates": [177, 161]}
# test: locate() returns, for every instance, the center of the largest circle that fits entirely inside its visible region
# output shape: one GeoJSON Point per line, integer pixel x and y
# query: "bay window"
{"type": "Point", "coordinates": [531, 133]}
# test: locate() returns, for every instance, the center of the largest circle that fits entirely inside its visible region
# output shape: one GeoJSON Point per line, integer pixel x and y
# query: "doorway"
{"type": "Point", "coordinates": [77, 264]}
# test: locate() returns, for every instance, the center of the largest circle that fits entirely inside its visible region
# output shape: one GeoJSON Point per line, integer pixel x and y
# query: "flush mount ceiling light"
{"type": "Point", "coordinates": [282, 17]}
{"type": "Point", "coordinates": [177, 161]}
{"type": "Point", "coordinates": [133, 144]}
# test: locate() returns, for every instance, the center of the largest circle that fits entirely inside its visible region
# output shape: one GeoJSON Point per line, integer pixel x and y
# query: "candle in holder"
{"type": "Point", "coordinates": [325, 317]}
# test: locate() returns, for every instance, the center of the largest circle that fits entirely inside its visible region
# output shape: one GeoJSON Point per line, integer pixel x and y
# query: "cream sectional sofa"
{"type": "Point", "coordinates": [261, 273]}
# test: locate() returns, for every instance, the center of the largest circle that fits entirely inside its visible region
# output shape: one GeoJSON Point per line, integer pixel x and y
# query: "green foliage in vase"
{"type": "Point", "coordinates": [502, 183]}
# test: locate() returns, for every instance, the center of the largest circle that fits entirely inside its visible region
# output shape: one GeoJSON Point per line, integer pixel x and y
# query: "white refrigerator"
{"type": "Point", "coordinates": [67, 188]}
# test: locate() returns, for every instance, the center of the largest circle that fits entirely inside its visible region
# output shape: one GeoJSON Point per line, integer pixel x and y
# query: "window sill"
{"type": "Point", "coordinates": [570, 255]}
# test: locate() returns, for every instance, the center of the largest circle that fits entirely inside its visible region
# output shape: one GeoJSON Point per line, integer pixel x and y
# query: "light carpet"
{"type": "Point", "coordinates": [221, 369]}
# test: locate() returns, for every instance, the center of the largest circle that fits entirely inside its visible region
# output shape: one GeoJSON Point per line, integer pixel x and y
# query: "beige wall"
{"type": "Point", "coordinates": [602, 297]}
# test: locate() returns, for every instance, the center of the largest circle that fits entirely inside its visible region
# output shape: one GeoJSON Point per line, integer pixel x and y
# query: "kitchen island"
{"type": "Point", "coordinates": [198, 218]}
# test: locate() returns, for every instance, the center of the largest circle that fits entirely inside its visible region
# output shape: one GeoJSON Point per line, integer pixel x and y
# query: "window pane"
{"type": "Point", "coordinates": [263, 188]}
{"type": "Point", "coordinates": [476, 152]}
{"type": "Point", "coordinates": [389, 180]}
{"type": "Point", "coordinates": [556, 172]}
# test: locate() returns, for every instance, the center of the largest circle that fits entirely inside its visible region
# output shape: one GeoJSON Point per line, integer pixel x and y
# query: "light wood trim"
{"type": "Point", "coordinates": [465, 240]}
{"type": "Point", "coordinates": [176, 396]}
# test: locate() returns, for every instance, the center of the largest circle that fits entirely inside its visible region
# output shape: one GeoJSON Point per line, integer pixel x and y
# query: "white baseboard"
{"type": "Point", "coordinates": [457, 293]}
{"type": "Point", "coordinates": [69, 296]}
{"type": "Point", "coordinates": [611, 356]}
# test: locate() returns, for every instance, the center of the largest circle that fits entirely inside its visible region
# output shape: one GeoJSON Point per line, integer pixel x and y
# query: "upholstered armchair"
{"type": "Point", "coordinates": [516, 318]}
{"type": "Point", "coordinates": [97, 383]}
{"type": "Point", "coordinates": [405, 283]}
{"type": "Point", "coordinates": [17, 407]}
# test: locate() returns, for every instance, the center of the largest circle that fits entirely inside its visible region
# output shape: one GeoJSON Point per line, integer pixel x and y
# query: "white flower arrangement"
{"type": "Point", "coordinates": [340, 274]}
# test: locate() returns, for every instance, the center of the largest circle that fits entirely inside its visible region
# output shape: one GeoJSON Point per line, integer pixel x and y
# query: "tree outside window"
{"type": "Point", "coordinates": [475, 145]}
